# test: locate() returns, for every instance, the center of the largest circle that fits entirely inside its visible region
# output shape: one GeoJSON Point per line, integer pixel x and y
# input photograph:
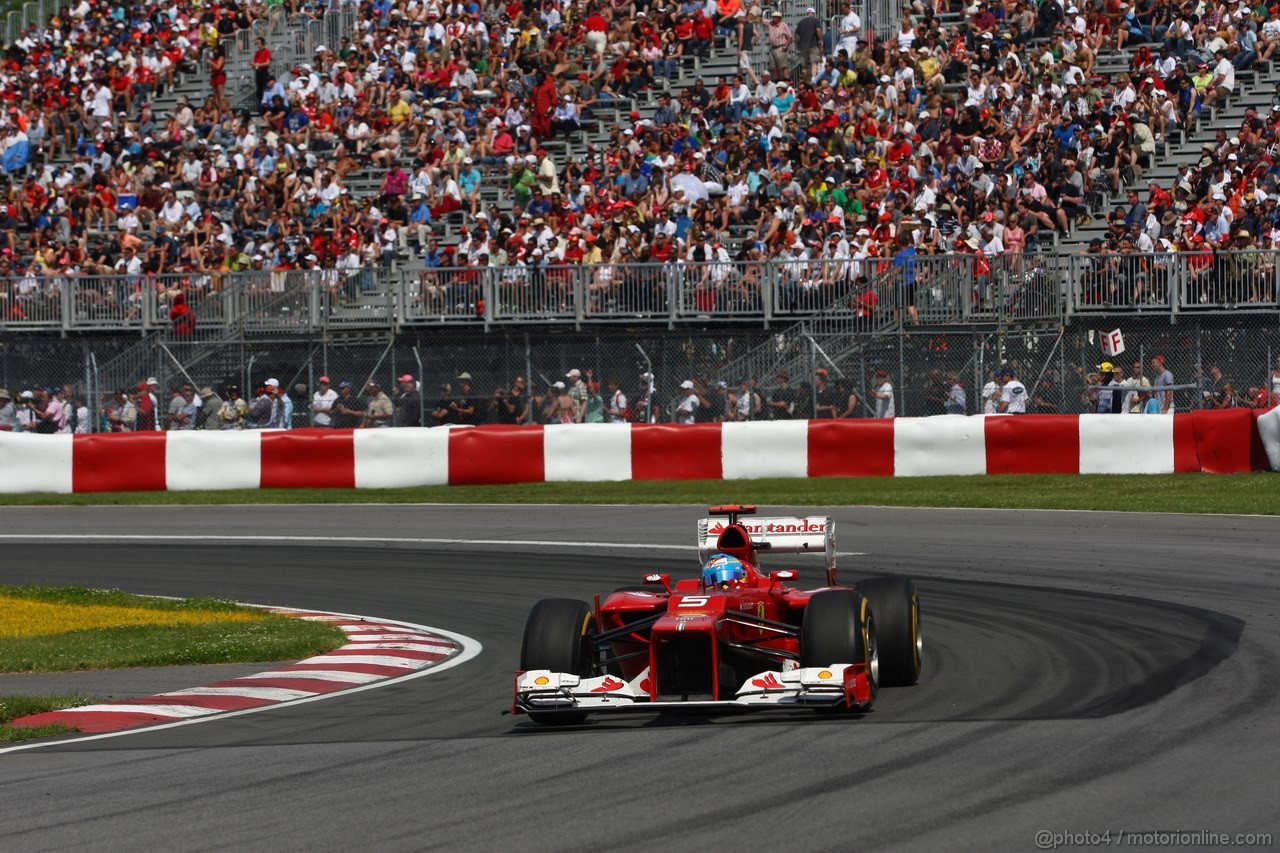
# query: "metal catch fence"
{"type": "Point", "coordinates": [1230, 361]}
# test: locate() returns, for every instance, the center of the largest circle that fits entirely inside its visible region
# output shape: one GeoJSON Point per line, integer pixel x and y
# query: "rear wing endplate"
{"type": "Point", "coordinates": [814, 534]}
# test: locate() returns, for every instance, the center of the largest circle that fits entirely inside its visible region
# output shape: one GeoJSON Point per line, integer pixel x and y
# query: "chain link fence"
{"type": "Point", "coordinates": [514, 376]}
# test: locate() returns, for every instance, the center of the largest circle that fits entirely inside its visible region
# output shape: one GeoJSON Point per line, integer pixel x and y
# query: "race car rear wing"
{"type": "Point", "coordinates": [812, 534]}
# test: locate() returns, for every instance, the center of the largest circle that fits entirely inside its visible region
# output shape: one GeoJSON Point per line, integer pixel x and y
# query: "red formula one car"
{"type": "Point", "coordinates": [735, 638]}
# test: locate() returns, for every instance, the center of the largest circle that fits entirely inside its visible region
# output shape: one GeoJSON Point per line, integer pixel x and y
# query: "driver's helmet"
{"type": "Point", "coordinates": [721, 571]}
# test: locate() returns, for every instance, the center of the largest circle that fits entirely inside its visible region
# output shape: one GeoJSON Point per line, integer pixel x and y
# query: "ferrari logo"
{"type": "Point", "coordinates": [767, 682]}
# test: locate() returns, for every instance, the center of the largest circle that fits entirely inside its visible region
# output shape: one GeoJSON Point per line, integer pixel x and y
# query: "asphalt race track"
{"type": "Point", "coordinates": [1085, 672]}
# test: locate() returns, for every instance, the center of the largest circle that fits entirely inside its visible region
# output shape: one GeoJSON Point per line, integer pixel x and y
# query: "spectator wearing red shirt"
{"type": "Point", "coordinates": [597, 29]}
{"type": "Point", "coordinates": [261, 68]}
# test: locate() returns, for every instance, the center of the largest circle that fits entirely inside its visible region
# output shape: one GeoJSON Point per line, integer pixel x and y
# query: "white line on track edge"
{"type": "Point", "coordinates": [469, 648]}
{"type": "Point", "coordinates": [628, 506]}
{"type": "Point", "coordinates": [357, 540]}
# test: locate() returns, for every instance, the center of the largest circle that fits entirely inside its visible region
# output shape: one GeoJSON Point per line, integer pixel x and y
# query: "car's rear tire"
{"type": "Point", "coordinates": [557, 636]}
{"type": "Point", "coordinates": [895, 606]}
{"type": "Point", "coordinates": [839, 627]}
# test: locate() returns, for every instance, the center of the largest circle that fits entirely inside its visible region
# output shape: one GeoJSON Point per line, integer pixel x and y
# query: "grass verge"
{"type": "Point", "coordinates": [236, 634]}
{"type": "Point", "coordinates": [1250, 494]}
{"type": "Point", "coordinates": [13, 707]}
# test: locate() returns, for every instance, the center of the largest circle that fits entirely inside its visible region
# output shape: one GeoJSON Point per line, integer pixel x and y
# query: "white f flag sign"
{"type": "Point", "coordinates": [1112, 343]}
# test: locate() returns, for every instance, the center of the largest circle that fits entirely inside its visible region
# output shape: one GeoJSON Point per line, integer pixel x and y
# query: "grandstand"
{"type": "Point", "coordinates": [983, 171]}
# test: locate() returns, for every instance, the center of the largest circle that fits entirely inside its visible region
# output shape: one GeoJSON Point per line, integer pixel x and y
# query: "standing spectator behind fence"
{"type": "Point", "coordinates": [747, 404]}
{"type": "Point", "coordinates": [442, 413]}
{"type": "Point", "coordinates": [883, 395]}
{"type": "Point", "coordinates": [8, 412]}
{"type": "Point", "coordinates": [1133, 403]}
{"type": "Point", "coordinates": [188, 410]}
{"type": "Point", "coordinates": [282, 418]}
{"type": "Point", "coordinates": [852, 401]}
{"type": "Point", "coordinates": [262, 412]}
{"type": "Point", "coordinates": [45, 411]}
{"type": "Point", "coordinates": [379, 411]}
{"type": "Point", "coordinates": [825, 396]}
{"type": "Point", "coordinates": [782, 402]}
{"type": "Point", "coordinates": [408, 403]}
{"type": "Point", "coordinates": [210, 409]}
{"type": "Point", "coordinates": [577, 394]}
{"type": "Point", "coordinates": [348, 410]}
{"type": "Point", "coordinates": [27, 418]}
{"type": "Point", "coordinates": [594, 411]}
{"type": "Point", "coordinates": [149, 405]}
{"type": "Point", "coordinates": [121, 412]}
{"type": "Point", "coordinates": [1013, 394]}
{"type": "Point", "coordinates": [616, 410]}
{"type": "Point", "coordinates": [646, 407]}
{"type": "Point", "coordinates": [173, 407]}
{"type": "Point", "coordinates": [1108, 401]}
{"type": "Point", "coordinates": [549, 404]}
{"type": "Point", "coordinates": [1164, 379]}
{"type": "Point", "coordinates": [689, 403]}
{"type": "Point", "coordinates": [234, 410]}
{"type": "Point", "coordinates": [511, 406]}
{"type": "Point", "coordinates": [957, 401]}
{"type": "Point", "coordinates": [322, 402]}
{"type": "Point", "coordinates": [466, 408]}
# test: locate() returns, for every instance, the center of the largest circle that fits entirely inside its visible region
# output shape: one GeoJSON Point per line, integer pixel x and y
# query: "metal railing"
{"type": "Point", "coordinates": [292, 39]}
{"type": "Point", "coordinates": [1168, 282]}
{"type": "Point", "coordinates": [854, 295]}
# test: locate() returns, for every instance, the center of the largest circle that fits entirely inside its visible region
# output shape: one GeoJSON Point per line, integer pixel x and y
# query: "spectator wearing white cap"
{"type": "Point", "coordinates": [577, 391]}
{"type": "Point", "coordinates": [687, 408]}
{"type": "Point", "coordinates": [151, 406]}
{"type": "Point", "coordinates": [780, 38]}
{"type": "Point", "coordinates": [322, 404]}
{"type": "Point", "coordinates": [565, 119]}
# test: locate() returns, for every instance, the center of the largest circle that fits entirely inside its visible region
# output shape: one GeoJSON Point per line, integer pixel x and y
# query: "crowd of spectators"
{"type": "Point", "coordinates": [983, 137]}
{"type": "Point", "coordinates": [583, 397]}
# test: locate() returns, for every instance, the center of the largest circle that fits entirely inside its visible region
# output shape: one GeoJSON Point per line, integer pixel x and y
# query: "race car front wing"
{"type": "Point", "coordinates": [837, 686]}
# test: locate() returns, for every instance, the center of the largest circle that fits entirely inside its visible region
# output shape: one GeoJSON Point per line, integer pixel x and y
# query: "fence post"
{"type": "Point", "coordinates": [528, 379]}
{"type": "Point", "coordinates": [673, 293]}
{"type": "Point", "coordinates": [491, 288]}
{"type": "Point", "coordinates": [766, 292]}
{"type": "Point", "coordinates": [68, 302]}
{"type": "Point", "coordinates": [902, 370]}
{"type": "Point", "coordinates": [579, 295]}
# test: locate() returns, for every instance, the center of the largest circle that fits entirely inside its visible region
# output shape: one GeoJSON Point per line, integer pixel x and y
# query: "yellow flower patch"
{"type": "Point", "coordinates": [23, 617]}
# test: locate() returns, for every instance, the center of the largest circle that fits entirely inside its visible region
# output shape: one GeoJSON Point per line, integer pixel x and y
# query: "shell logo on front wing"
{"type": "Point", "coordinates": [542, 680]}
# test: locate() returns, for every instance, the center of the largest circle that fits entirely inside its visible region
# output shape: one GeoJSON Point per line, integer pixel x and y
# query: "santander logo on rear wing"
{"type": "Point", "coordinates": [812, 534]}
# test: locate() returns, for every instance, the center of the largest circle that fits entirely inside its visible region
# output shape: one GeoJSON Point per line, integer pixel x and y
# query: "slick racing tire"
{"type": "Point", "coordinates": [895, 606]}
{"type": "Point", "coordinates": [839, 627]}
{"type": "Point", "coordinates": [557, 636]}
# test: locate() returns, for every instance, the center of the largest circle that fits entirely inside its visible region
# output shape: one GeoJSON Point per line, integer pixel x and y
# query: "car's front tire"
{"type": "Point", "coordinates": [838, 627]}
{"type": "Point", "coordinates": [895, 606]}
{"type": "Point", "coordinates": [557, 636]}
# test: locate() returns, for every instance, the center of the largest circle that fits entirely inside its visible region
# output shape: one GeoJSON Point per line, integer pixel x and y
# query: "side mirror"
{"type": "Point", "coordinates": [663, 579]}
{"type": "Point", "coordinates": [784, 575]}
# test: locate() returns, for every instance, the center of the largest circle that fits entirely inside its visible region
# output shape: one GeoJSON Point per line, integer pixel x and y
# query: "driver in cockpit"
{"type": "Point", "coordinates": [723, 572]}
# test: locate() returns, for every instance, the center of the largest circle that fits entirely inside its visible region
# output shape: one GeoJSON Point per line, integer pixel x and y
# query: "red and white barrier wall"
{"type": "Point", "coordinates": [1212, 441]}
